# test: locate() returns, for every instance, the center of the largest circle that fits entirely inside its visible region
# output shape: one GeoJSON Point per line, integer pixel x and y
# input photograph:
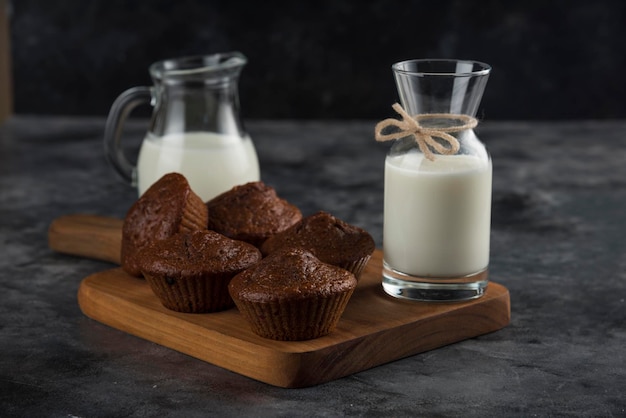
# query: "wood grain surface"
{"type": "Point", "coordinates": [374, 329]}
{"type": "Point", "coordinates": [89, 236]}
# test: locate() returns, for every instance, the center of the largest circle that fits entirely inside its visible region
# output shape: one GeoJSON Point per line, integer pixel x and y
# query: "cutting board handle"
{"type": "Point", "coordinates": [88, 236]}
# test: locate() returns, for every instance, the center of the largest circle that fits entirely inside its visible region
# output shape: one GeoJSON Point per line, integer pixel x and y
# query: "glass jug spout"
{"type": "Point", "coordinates": [441, 85]}
{"type": "Point", "coordinates": [198, 94]}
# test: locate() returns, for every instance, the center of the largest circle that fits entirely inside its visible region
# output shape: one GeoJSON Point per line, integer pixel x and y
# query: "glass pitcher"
{"type": "Point", "coordinates": [437, 195]}
{"type": "Point", "coordinates": [195, 129]}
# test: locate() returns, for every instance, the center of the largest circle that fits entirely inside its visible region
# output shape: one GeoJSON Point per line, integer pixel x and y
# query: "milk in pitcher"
{"type": "Point", "coordinates": [212, 163]}
{"type": "Point", "coordinates": [437, 214]}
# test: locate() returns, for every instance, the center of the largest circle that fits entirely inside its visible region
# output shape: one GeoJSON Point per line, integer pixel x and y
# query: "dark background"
{"type": "Point", "coordinates": [325, 59]}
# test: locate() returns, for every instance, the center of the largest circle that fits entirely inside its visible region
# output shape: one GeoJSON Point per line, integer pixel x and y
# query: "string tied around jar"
{"type": "Point", "coordinates": [424, 136]}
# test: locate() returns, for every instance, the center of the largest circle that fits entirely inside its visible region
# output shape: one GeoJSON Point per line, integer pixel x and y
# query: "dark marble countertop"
{"type": "Point", "coordinates": [559, 221]}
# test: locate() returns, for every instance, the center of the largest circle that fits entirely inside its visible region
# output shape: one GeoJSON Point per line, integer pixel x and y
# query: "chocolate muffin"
{"type": "Point", "coordinates": [190, 272]}
{"type": "Point", "coordinates": [251, 212]}
{"type": "Point", "coordinates": [330, 239]}
{"type": "Point", "coordinates": [168, 207]}
{"type": "Point", "coordinates": [292, 295]}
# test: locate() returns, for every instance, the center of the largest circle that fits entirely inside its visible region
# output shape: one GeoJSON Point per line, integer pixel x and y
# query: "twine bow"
{"type": "Point", "coordinates": [424, 136]}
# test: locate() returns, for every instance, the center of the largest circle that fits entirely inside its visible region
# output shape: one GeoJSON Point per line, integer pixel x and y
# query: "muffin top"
{"type": "Point", "coordinates": [330, 239]}
{"type": "Point", "coordinates": [156, 215]}
{"type": "Point", "coordinates": [197, 253]}
{"type": "Point", "coordinates": [251, 212]}
{"type": "Point", "coordinates": [291, 273]}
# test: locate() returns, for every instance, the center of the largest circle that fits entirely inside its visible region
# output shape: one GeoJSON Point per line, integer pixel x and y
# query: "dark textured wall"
{"type": "Point", "coordinates": [325, 59]}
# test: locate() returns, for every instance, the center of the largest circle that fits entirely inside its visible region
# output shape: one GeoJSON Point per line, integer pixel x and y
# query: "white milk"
{"type": "Point", "coordinates": [437, 214]}
{"type": "Point", "coordinates": [212, 163]}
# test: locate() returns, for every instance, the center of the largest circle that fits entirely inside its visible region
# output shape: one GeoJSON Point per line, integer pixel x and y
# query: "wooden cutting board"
{"type": "Point", "coordinates": [374, 329]}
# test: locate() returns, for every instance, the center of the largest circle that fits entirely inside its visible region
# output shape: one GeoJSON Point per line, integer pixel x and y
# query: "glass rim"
{"type": "Point", "coordinates": [484, 68]}
{"type": "Point", "coordinates": [197, 64]}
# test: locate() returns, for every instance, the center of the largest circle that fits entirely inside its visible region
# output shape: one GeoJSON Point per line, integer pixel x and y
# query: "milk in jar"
{"type": "Point", "coordinates": [212, 163]}
{"type": "Point", "coordinates": [437, 214]}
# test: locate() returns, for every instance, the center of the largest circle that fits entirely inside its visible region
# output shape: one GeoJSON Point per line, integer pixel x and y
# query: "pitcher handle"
{"type": "Point", "coordinates": [121, 108]}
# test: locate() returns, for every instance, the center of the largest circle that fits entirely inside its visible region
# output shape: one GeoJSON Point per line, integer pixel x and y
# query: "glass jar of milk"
{"type": "Point", "coordinates": [437, 196]}
{"type": "Point", "coordinates": [195, 129]}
